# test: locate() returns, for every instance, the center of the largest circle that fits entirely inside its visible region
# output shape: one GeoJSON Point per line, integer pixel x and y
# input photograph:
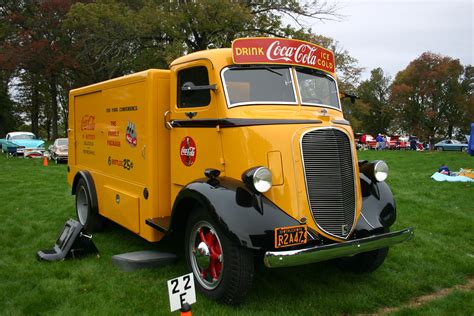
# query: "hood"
{"type": "Point", "coordinates": [28, 143]}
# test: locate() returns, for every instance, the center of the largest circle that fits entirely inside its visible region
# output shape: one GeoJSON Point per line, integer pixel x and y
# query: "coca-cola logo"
{"type": "Point", "coordinates": [187, 151]}
{"type": "Point", "coordinates": [304, 53]}
{"type": "Point", "coordinates": [88, 123]}
{"type": "Point", "coordinates": [282, 51]}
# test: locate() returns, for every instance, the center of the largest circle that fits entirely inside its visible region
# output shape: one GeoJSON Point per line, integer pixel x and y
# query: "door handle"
{"type": "Point", "coordinates": [168, 123]}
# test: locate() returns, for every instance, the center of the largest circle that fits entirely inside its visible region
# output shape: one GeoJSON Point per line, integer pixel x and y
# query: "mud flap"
{"type": "Point", "coordinates": [73, 242]}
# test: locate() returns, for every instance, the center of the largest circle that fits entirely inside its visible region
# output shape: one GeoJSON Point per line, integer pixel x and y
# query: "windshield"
{"type": "Point", "coordinates": [62, 142]}
{"type": "Point", "coordinates": [259, 85]}
{"type": "Point", "coordinates": [22, 136]}
{"type": "Point", "coordinates": [317, 88]}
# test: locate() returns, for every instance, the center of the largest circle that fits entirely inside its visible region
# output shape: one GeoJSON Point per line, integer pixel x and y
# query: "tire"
{"type": "Point", "coordinates": [365, 262]}
{"type": "Point", "coordinates": [223, 271]}
{"type": "Point", "coordinates": [439, 148]}
{"type": "Point", "coordinates": [90, 219]}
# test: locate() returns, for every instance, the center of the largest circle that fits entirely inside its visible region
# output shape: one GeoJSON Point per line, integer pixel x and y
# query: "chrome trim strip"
{"type": "Point", "coordinates": [341, 121]}
{"type": "Point", "coordinates": [289, 258]}
{"type": "Point", "coordinates": [354, 162]}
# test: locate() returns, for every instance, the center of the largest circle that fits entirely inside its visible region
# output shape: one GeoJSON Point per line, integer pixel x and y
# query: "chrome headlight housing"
{"type": "Point", "coordinates": [376, 170]}
{"type": "Point", "coordinates": [258, 179]}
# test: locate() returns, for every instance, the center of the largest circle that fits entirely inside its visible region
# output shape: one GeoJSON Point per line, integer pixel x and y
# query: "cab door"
{"type": "Point", "coordinates": [195, 140]}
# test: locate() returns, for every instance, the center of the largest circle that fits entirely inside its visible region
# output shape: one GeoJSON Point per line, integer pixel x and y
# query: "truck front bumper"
{"type": "Point", "coordinates": [279, 259]}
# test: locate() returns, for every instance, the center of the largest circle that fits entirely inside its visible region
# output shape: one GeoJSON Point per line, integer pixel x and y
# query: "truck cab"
{"type": "Point", "coordinates": [258, 161]}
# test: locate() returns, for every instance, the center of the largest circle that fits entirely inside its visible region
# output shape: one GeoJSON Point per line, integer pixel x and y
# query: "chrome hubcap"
{"type": "Point", "coordinates": [206, 255]}
{"type": "Point", "coordinates": [82, 205]}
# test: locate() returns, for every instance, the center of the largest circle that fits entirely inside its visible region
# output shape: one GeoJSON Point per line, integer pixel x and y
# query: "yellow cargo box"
{"type": "Point", "coordinates": [114, 135]}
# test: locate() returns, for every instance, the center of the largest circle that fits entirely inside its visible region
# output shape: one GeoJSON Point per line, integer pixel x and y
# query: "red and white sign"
{"type": "Point", "coordinates": [282, 51]}
{"type": "Point", "coordinates": [188, 151]}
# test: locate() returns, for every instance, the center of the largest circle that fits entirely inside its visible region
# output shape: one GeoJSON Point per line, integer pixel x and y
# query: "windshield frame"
{"type": "Point", "coordinates": [295, 85]}
{"type": "Point", "coordinates": [226, 93]}
{"type": "Point", "coordinates": [323, 74]}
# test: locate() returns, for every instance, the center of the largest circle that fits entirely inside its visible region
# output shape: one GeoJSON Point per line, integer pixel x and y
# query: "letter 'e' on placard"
{"type": "Point", "coordinates": [181, 290]}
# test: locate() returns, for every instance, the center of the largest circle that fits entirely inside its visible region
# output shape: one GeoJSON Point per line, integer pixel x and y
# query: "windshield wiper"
{"type": "Point", "coordinates": [271, 70]}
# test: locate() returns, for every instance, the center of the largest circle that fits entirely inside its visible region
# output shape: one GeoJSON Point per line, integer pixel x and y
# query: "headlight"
{"type": "Point", "coordinates": [376, 170]}
{"type": "Point", "coordinates": [380, 171]}
{"type": "Point", "coordinates": [258, 178]}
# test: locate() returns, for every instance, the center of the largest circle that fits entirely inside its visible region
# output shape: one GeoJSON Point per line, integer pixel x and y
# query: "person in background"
{"type": "Point", "coordinates": [412, 141]}
{"type": "Point", "coordinates": [380, 142]}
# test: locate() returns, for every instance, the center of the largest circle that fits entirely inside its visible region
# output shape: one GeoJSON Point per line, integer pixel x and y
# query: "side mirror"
{"type": "Point", "coordinates": [352, 96]}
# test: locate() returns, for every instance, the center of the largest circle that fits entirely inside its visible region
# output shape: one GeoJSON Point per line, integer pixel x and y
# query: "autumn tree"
{"type": "Point", "coordinates": [467, 90]}
{"type": "Point", "coordinates": [38, 51]}
{"type": "Point", "coordinates": [426, 96]}
{"type": "Point", "coordinates": [373, 108]}
{"type": "Point", "coordinates": [115, 37]}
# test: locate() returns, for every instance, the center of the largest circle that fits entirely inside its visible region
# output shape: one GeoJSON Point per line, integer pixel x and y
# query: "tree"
{"type": "Point", "coordinates": [37, 49]}
{"type": "Point", "coordinates": [116, 37]}
{"type": "Point", "coordinates": [426, 96]}
{"type": "Point", "coordinates": [374, 110]}
{"type": "Point", "coordinates": [467, 90]}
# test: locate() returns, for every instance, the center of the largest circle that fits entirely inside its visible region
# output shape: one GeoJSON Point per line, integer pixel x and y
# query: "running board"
{"type": "Point", "coordinates": [147, 259]}
{"type": "Point", "coordinates": [161, 224]}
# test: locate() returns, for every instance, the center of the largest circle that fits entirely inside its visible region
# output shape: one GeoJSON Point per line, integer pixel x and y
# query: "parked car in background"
{"type": "Point", "coordinates": [450, 144]}
{"type": "Point", "coordinates": [58, 151]}
{"type": "Point", "coordinates": [22, 144]}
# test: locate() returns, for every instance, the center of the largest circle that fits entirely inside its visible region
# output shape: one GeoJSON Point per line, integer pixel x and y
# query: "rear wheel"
{"type": "Point", "coordinates": [222, 269]}
{"type": "Point", "coordinates": [87, 216]}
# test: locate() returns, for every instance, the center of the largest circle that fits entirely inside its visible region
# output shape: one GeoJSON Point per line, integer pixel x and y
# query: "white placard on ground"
{"type": "Point", "coordinates": [181, 290]}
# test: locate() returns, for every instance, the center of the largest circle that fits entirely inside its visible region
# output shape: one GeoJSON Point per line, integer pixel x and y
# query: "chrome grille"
{"type": "Point", "coordinates": [329, 174]}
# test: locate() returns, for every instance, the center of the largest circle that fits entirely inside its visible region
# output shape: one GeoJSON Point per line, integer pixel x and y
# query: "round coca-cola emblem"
{"type": "Point", "coordinates": [187, 151]}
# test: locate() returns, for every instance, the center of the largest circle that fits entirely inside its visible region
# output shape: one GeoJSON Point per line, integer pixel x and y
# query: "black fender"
{"type": "Point", "coordinates": [247, 218]}
{"type": "Point", "coordinates": [83, 174]}
{"type": "Point", "coordinates": [378, 211]}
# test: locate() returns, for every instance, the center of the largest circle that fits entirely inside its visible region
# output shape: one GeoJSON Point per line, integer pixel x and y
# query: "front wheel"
{"type": "Point", "coordinates": [364, 262]}
{"type": "Point", "coordinates": [222, 269]}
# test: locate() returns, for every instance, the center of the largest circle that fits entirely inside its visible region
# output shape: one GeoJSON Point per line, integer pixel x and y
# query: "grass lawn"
{"type": "Point", "coordinates": [35, 202]}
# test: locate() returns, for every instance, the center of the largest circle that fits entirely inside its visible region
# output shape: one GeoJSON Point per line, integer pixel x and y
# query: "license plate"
{"type": "Point", "coordinates": [291, 236]}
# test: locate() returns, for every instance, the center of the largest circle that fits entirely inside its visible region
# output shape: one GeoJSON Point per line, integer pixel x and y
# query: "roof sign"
{"type": "Point", "coordinates": [282, 51]}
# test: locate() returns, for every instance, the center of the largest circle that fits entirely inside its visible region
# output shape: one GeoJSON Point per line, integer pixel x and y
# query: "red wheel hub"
{"type": "Point", "coordinates": [215, 252]}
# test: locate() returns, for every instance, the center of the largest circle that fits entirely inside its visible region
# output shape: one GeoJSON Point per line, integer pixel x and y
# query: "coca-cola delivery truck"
{"type": "Point", "coordinates": [244, 151]}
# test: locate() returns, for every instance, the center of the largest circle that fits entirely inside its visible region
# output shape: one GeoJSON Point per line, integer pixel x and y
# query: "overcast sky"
{"type": "Point", "coordinates": [391, 33]}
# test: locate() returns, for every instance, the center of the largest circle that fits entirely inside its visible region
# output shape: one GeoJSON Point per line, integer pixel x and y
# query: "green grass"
{"type": "Point", "coordinates": [35, 202]}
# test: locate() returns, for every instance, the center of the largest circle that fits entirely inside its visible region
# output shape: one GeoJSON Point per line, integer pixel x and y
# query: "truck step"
{"type": "Point", "coordinates": [146, 259]}
{"type": "Point", "coordinates": [161, 224]}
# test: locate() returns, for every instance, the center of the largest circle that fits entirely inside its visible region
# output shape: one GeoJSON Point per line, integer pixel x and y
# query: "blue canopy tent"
{"type": "Point", "coordinates": [470, 147]}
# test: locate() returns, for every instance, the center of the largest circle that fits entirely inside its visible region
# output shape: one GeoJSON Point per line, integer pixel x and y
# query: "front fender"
{"type": "Point", "coordinates": [247, 218]}
{"type": "Point", "coordinates": [378, 207]}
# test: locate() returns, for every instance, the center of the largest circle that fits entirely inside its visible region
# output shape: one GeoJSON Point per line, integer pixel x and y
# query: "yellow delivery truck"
{"type": "Point", "coordinates": [244, 151]}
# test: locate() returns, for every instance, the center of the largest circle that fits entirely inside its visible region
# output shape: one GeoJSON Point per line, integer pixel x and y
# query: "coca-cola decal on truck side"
{"type": "Point", "coordinates": [282, 51]}
{"type": "Point", "coordinates": [187, 151]}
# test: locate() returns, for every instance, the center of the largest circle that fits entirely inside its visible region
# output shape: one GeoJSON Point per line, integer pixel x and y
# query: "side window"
{"type": "Point", "coordinates": [196, 76]}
